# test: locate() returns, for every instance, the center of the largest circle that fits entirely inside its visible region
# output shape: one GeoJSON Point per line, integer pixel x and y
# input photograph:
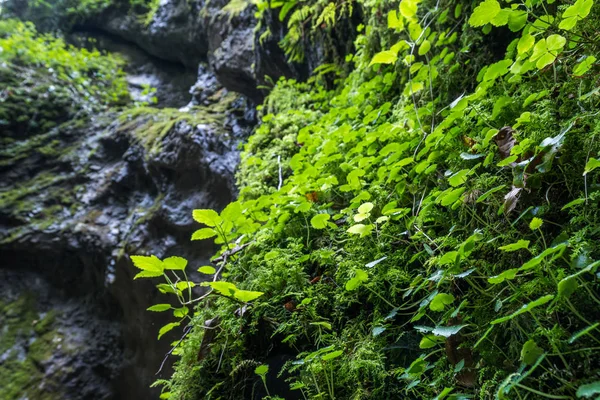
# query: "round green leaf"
{"type": "Point", "coordinates": [484, 13]}
{"type": "Point", "coordinates": [319, 221]}
{"type": "Point", "coordinates": [207, 269]}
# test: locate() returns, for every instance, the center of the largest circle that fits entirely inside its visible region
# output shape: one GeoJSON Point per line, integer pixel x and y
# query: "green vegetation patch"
{"type": "Point", "coordinates": [44, 82]}
{"type": "Point", "coordinates": [426, 230]}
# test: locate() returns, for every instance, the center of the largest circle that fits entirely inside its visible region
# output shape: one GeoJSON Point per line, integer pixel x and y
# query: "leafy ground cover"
{"type": "Point", "coordinates": [427, 229]}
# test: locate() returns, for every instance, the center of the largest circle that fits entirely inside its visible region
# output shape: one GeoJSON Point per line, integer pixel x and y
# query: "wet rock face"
{"type": "Point", "coordinates": [76, 201]}
{"type": "Point", "coordinates": [52, 346]}
{"type": "Point", "coordinates": [151, 80]}
{"type": "Point", "coordinates": [174, 33]}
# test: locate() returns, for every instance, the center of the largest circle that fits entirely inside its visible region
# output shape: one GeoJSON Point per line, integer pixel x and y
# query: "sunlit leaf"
{"type": "Point", "coordinates": [159, 307]}
{"type": "Point", "coordinates": [167, 328]}
{"type": "Point", "coordinates": [319, 221]}
{"type": "Point", "coordinates": [175, 263]}
{"type": "Point", "coordinates": [207, 217]}
{"type": "Point", "coordinates": [204, 233]}
{"type": "Point", "coordinates": [484, 13]}
{"type": "Point", "coordinates": [520, 244]}
{"type": "Point", "coordinates": [246, 295]}
{"type": "Point", "coordinates": [207, 269]}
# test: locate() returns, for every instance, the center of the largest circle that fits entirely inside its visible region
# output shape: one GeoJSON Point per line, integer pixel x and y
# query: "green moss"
{"type": "Point", "coordinates": [28, 339]}
{"type": "Point", "coordinates": [149, 125]}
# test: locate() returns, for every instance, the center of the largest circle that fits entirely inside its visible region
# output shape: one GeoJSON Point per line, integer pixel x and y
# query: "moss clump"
{"type": "Point", "coordinates": [27, 341]}
{"type": "Point", "coordinates": [149, 126]}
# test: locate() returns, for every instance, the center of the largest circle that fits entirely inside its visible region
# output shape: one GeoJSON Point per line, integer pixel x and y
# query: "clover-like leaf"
{"type": "Point", "coordinates": [575, 13]}
{"type": "Point", "coordinates": [319, 221]}
{"type": "Point", "coordinates": [484, 13]}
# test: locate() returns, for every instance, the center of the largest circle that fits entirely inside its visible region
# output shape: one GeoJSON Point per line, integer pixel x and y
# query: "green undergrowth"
{"type": "Point", "coordinates": [63, 15]}
{"type": "Point", "coordinates": [45, 82]}
{"type": "Point", "coordinates": [426, 230]}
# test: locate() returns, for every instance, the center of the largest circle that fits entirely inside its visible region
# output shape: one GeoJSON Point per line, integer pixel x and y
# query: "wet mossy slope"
{"type": "Point", "coordinates": [423, 227]}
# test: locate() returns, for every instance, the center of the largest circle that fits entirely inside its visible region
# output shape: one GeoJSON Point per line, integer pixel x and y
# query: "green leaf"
{"type": "Point", "coordinates": [440, 301]}
{"type": "Point", "coordinates": [408, 8]}
{"type": "Point", "coordinates": [567, 286]}
{"type": "Point", "coordinates": [332, 355]}
{"type": "Point", "coordinates": [424, 47]}
{"type": "Point", "coordinates": [501, 18]}
{"type": "Point", "coordinates": [204, 233]}
{"type": "Point", "coordinates": [246, 296]}
{"type": "Point", "coordinates": [525, 43]}
{"type": "Point", "coordinates": [207, 269]}
{"type": "Point", "coordinates": [584, 66]}
{"type": "Point", "coordinates": [517, 20]}
{"type": "Point", "coordinates": [232, 212]}
{"type": "Point", "coordinates": [175, 263]}
{"type": "Point", "coordinates": [589, 390]}
{"type": "Point", "coordinates": [535, 261]}
{"type": "Point", "coordinates": [535, 223]}
{"type": "Point", "coordinates": [181, 312]}
{"type": "Point", "coordinates": [531, 352]}
{"type": "Point", "coordinates": [359, 277]}
{"type": "Point", "coordinates": [573, 203]}
{"type": "Point", "coordinates": [582, 332]}
{"type": "Point", "coordinates": [449, 258]}
{"type": "Point", "coordinates": [365, 208]}
{"type": "Point", "coordinates": [225, 288]}
{"type": "Point", "coordinates": [262, 370]}
{"type": "Point", "coordinates": [497, 70]}
{"type": "Point", "coordinates": [489, 193]}
{"type": "Point", "coordinates": [148, 274]}
{"type": "Point", "coordinates": [452, 197]}
{"type": "Point", "coordinates": [165, 288]}
{"type": "Point", "coordinates": [151, 263]}
{"type": "Point", "coordinates": [591, 165]}
{"type": "Point", "coordinates": [360, 229]}
{"type": "Point", "coordinates": [458, 178]}
{"type": "Point", "coordinates": [429, 341]}
{"type": "Point", "coordinates": [546, 50]}
{"type": "Point", "coordinates": [520, 244]}
{"type": "Point", "coordinates": [384, 57]}
{"type": "Point", "coordinates": [159, 307]}
{"type": "Point", "coordinates": [207, 217]}
{"type": "Point", "coordinates": [484, 13]}
{"type": "Point", "coordinates": [506, 275]}
{"type": "Point", "coordinates": [184, 285]}
{"type": "Point", "coordinates": [575, 13]}
{"type": "Point", "coordinates": [319, 221]}
{"type": "Point", "coordinates": [167, 328]}
{"type": "Point", "coordinates": [525, 308]}
{"type": "Point", "coordinates": [393, 21]}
